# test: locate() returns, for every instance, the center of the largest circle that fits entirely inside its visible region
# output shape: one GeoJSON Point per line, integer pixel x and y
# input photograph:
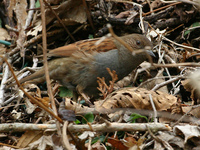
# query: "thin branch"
{"type": "Point", "coordinates": [65, 137]}
{"type": "Point", "coordinates": [60, 21]}
{"type": "Point", "coordinates": [2, 88]}
{"type": "Point", "coordinates": [154, 109]}
{"type": "Point", "coordinates": [104, 127]}
{"type": "Point", "coordinates": [158, 86]}
{"type": "Point", "coordinates": [30, 13]}
{"type": "Point", "coordinates": [46, 70]}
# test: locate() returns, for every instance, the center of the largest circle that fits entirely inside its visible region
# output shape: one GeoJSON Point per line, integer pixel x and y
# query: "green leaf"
{"type": "Point", "coordinates": [89, 117]}
{"type": "Point", "coordinates": [65, 92]}
{"type": "Point", "coordinates": [120, 134]}
{"type": "Point", "coordinates": [100, 138]}
{"type": "Point", "coordinates": [135, 116]}
{"type": "Point", "coordinates": [77, 121]}
{"type": "Point", "coordinates": [196, 24]}
{"type": "Point", "coordinates": [82, 101]}
{"type": "Point", "coordinates": [90, 36]}
{"type": "Point", "coordinates": [37, 4]}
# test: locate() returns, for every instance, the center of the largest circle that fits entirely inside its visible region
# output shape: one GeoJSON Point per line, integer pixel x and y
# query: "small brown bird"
{"type": "Point", "coordinates": [80, 71]}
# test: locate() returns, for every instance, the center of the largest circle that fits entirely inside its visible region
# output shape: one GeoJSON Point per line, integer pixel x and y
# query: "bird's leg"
{"type": "Point", "coordinates": [80, 89]}
{"type": "Point", "coordinates": [75, 96]}
{"type": "Point", "coordinates": [86, 99]}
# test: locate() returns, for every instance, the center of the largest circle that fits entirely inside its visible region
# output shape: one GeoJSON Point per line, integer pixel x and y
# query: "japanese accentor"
{"type": "Point", "coordinates": [80, 71]}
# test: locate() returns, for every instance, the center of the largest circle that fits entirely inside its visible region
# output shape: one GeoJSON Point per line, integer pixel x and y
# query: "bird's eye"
{"type": "Point", "coordinates": [138, 42]}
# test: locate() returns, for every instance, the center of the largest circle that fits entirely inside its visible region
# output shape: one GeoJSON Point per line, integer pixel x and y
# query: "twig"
{"type": "Point", "coordinates": [30, 13]}
{"type": "Point", "coordinates": [177, 65]}
{"type": "Point", "coordinates": [2, 88]}
{"type": "Point", "coordinates": [12, 146]}
{"type": "Point", "coordinates": [174, 29]}
{"type": "Point", "coordinates": [20, 127]}
{"type": "Point", "coordinates": [158, 86]}
{"type": "Point", "coordinates": [119, 127]}
{"type": "Point", "coordinates": [168, 2]}
{"type": "Point", "coordinates": [141, 21]}
{"type": "Point", "coordinates": [88, 15]}
{"type": "Point", "coordinates": [11, 28]}
{"type": "Point", "coordinates": [162, 61]}
{"type": "Point", "coordinates": [151, 9]}
{"type": "Point", "coordinates": [183, 1]}
{"type": "Point", "coordinates": [60, 21]}
{"type": "Point", "coordinates": [46, 70]}
{"type": "Point", "coordinates": [181, 45]}
{"type": "Point", "coordinates": [104, 127]}
{"type": "Point", "coordinates": [9, 100]}
{"type": "Point", "coordinates": [44, 43]}
{"type": "Point", "coordinates": [154, 109]}
{"type": "Point", "coordinates": [181, 118]}
{"type": "Point", "coordinates": [90, 143]}
{"type": "Point", "coordinates": [161, 8]}
{"type": "Point", "coordinates": [65, 137]}
{"type": "Point", "coordinates": [163, 142]}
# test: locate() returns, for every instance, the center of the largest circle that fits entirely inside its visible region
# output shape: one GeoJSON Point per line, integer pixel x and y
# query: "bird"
{"type": "Point", "coordinates": [79, 66]}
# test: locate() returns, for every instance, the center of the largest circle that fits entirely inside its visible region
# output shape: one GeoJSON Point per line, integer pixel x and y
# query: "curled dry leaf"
{"type": "Point", "coordinates": [195, 111]}
{"type": "Point", "coordinates": [123, 14]}
{"type": "Point", "coordinates": [32, 89]}
{"type": "Point", "coordinates": [126, 81]}
{"type": "Point", "coordinates": [116, 143]}
{"type": "Point", "coordinates": [3, 36]}
{"type": "Point", "coordinates": [70, 12]}
{"type": "Point", "coordinates": [28, 137]}
{"type": "Point", "coordinates": [21, 15]}
{"type": "Point", "coordinates": [165, 140]}
{"type": "Point", "coordinates": [138, 98]}
{"type": "Point", "coordinates": [77, 108]}
{"type": "Point", "coordinates": [158, 79]}
{"type": "Point", "coordinates": [192, 85]}
{"type": "Point", "coordinates": [70, 9]}
{"type": "Point", "coordinates": [156, 4]}
{"type": "Point", "coordinates": [189, 132]}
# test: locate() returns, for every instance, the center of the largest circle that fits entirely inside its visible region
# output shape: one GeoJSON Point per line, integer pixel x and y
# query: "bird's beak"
{"type": "Point", "coordinates": [149, 51]}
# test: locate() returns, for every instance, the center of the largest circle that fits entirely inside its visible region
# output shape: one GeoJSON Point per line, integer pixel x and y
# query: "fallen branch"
{"type": "Point", "coordinates": [105, 127]}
